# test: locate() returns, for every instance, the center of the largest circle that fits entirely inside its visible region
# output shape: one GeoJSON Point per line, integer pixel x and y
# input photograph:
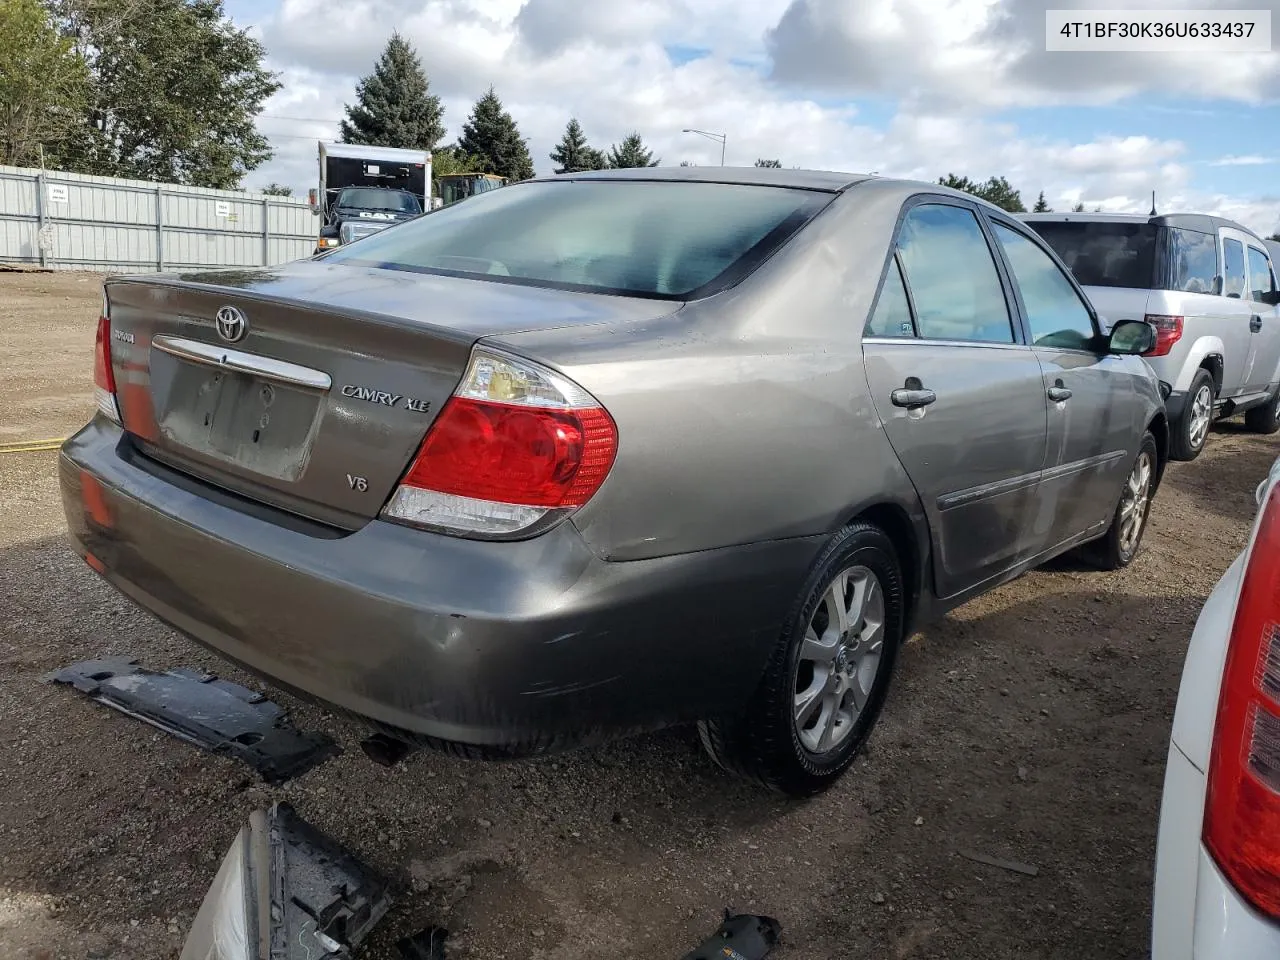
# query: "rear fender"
{"type": "Point", "coordinates": [906, 524]}
{"type": "Point", "coordinates": [1202, 348]}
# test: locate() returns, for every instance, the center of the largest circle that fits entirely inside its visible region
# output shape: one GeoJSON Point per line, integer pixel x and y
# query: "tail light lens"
{"type": "Point", "coordinates": [1168, 332]}
{"type": "Point", "coordinates": [104, 380]}
{"type": "Point", "coordinates": [515, 449]}
{"type": "Point", "coordinates": [1242, 809]}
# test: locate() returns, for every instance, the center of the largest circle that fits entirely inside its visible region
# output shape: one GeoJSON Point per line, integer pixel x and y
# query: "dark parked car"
{"type": "Point", "coordinates": [600, 453]}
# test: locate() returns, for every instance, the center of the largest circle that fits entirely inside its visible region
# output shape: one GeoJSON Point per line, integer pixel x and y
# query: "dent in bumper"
{"type": "Point", "coordinates": [525, 645]}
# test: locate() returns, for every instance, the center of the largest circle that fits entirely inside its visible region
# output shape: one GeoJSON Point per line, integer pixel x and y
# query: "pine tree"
{"type": "Point", "coordinates": [775, 164]}
{"type": "Point", "coordinates": [492, 137]}
{"type": "Point", "coordinates": [1078, 208]}
{"type": "Point", "coordinates": [632, 153]}
{"type": "Point", "coordinates": [1041, 205]}
{"type": "Point", "coordinates": [573, 155]}
{"type": "Point", "coordinates": [394, 106]}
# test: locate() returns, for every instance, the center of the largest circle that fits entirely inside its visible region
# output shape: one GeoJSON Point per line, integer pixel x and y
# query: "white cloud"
{"type": "Point", "coordinates": [991, 53]}
{"type": "Point", "coordinates": [946, 63]}
{"type": "Point", "coordinates": [1248, 160]}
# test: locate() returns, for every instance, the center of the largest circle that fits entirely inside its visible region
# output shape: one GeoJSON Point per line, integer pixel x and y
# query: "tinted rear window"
{"type": "Point", "coordinates": [1193, 260]}
{"type": "Point", "coordinates": [670, 240]}
{"type": "Point", "coordinates": [1103, 254]}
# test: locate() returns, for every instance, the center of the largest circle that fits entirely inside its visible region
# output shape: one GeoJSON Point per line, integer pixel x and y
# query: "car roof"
{"type": "Point", "coordinates": [1203, 222]}
{"type": "Point", "coordinates": [825, 180]}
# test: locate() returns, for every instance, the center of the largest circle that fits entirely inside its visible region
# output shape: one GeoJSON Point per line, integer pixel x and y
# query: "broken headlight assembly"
{"type": "Point", "coordinates": [285, 891]}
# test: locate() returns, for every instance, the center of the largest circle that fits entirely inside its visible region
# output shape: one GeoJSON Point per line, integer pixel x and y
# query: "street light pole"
{"type": "Point", "coordinates": [721, 138]}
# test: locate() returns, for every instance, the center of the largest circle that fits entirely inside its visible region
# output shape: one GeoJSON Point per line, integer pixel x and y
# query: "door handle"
{"type": "Point", "coordinates": [912, 399]}
{"type": "Point", "coordinates": [1058, 393]}
{"type": "Point", "coordinates": [1255, 323]}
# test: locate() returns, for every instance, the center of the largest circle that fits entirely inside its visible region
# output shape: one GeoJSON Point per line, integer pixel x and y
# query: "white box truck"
{"type": "Point", "coordinates": [365, 189]}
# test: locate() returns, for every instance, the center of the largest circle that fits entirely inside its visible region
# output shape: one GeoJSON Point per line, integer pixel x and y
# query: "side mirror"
{"type": "Point", "coordinates": [1131, 338]}
{"type": "Point", "coordinates": [1271, 297]}
{"type": "Point", "coordinates": [313, 199]}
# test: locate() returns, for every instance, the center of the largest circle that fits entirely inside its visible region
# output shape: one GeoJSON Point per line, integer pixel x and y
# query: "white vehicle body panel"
{"type": "Point", "coordinates": [1196, 913]}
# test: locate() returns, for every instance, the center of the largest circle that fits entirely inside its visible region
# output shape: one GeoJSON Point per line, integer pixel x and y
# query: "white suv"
{"type": "Point", "coordinates": [1209, 287]}
{"type": "Point", "coordinates": [1217, 880]}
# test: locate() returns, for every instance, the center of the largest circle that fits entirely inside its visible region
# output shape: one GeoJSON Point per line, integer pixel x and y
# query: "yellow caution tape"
{"type": "Point", "coordinates": [30, 446]}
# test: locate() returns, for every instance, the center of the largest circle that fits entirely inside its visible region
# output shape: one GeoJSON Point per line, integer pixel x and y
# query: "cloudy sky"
{"type": "Point", "coordinates": [914, 88]}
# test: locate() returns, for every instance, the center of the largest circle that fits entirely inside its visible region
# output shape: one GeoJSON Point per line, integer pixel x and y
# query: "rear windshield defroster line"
{"type": "Point", "coordinates": [663, 240]}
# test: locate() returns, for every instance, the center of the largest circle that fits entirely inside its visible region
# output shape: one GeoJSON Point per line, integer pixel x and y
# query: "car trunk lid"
{"type": "Point", "coordinates": [319, 404]}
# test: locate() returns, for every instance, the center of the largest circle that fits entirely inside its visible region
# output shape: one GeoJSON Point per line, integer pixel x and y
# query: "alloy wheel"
{"type": "Point", "coordinates": [1201, 414]}
{"type": "Point", "coordinates": [1134, 500]}
{"type": "Point", "coordinates": [839, 659]}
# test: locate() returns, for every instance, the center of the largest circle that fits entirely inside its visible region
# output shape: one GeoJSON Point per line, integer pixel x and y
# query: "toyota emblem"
{"type": "Point", "coordinates": [231, 324]}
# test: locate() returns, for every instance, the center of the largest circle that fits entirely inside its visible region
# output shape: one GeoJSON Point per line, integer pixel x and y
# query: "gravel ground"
{"type": "Point", "coordinates": [1031, 725]}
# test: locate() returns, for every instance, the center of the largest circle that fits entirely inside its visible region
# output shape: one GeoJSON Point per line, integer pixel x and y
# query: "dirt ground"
{"type": "Point", "coordinates": [1031, 724]}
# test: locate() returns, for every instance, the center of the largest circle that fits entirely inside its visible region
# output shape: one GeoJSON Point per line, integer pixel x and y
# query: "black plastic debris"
{"type": "Point", "coordinates": [426, 944]}
{"type": "Point", "coordinates": [285, 891]}
{"type": "Point", "coordinates": [740, 937]}
{"type": "Point", "coordinates": [385, 750]}
{"type": "Point", "coordinates": [201, 709]}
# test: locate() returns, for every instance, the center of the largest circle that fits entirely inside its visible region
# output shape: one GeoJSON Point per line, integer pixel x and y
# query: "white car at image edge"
{"type": "Point", "coordinates": [1217, 877]}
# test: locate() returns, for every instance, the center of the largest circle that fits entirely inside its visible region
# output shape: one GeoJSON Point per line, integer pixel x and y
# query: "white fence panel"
{"type": "Point", "coordinates": [71, 221]}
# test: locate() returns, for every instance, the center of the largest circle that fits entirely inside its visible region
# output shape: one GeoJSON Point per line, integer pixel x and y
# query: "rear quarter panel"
{"type": "Point", "coordinates": [746, 416]}
{"type": "Point", "coordinates": [1207, 330]}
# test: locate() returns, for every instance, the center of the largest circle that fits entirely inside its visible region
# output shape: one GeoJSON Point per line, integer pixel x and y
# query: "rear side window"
{"type": "Point", "coordinates": [892, 317]}
{"type": "Point", "coordinates": [1103, 253]}
{"type": "Point", "coordinates": [954, 284]}
{"type": "Point", "coordinates": [662, 239]}
{"type": "Point", "coordinates": [1261, 281]}
{"type": "Point", "coordinates": [1055, 313]}
{"type": "Point", "coordinates": [1232, 268]}
{"type": "Point", "coordinates": [1193, 260]}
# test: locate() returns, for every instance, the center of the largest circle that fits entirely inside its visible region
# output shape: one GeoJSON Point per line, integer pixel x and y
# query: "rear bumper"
{"type": "Point", "coordinates": [518, 646]}
{"type": "Point", "coordinates": [1197, 914]}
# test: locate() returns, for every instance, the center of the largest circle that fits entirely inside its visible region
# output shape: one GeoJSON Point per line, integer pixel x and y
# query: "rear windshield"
{"type": "Point", "coordinates": [1103, 254]}
{"type": "Point", "coordinates": [669, 240]}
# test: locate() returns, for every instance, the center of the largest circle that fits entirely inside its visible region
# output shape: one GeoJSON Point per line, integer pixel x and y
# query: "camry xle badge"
{"type": "Point", "coordinates": [386, 398]}
{"type": "Point", "coordinates": [231, 324]}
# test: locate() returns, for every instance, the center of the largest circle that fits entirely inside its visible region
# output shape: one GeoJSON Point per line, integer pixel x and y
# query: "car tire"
{"type": "Point", "coordinates": [1191, 432]}
{"type": "Point", "coordinates": [1266, 418]}
{"type": "Point", "coordinates": [1120, 545]}
{"type": "Point", "coordinates": [799, 749]}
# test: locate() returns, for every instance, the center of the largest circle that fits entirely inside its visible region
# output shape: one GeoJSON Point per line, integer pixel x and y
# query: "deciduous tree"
{"type": "Point", "coordinates": [777, 164]}
{"type": "Point", "coordinates": [996, 190]}
{"type": "Point", "coordinates": [174, 90]}
{"type": "Point", "coordinates": [44, 85]}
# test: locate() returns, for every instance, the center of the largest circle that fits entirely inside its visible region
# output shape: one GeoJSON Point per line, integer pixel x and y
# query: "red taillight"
{"type": "Point", "coordinates": [516, 445]}
{"type": "Point", "coordinates": [102, 374]}
{"type": "Point", "coordinates": [104, 379]}
{"type": "Point", "coordinates": [1242, 807]}
{"type": "Point", "coordinates": [1168, 332]}
{"type": "Point", "coordinates": [515, 454]}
